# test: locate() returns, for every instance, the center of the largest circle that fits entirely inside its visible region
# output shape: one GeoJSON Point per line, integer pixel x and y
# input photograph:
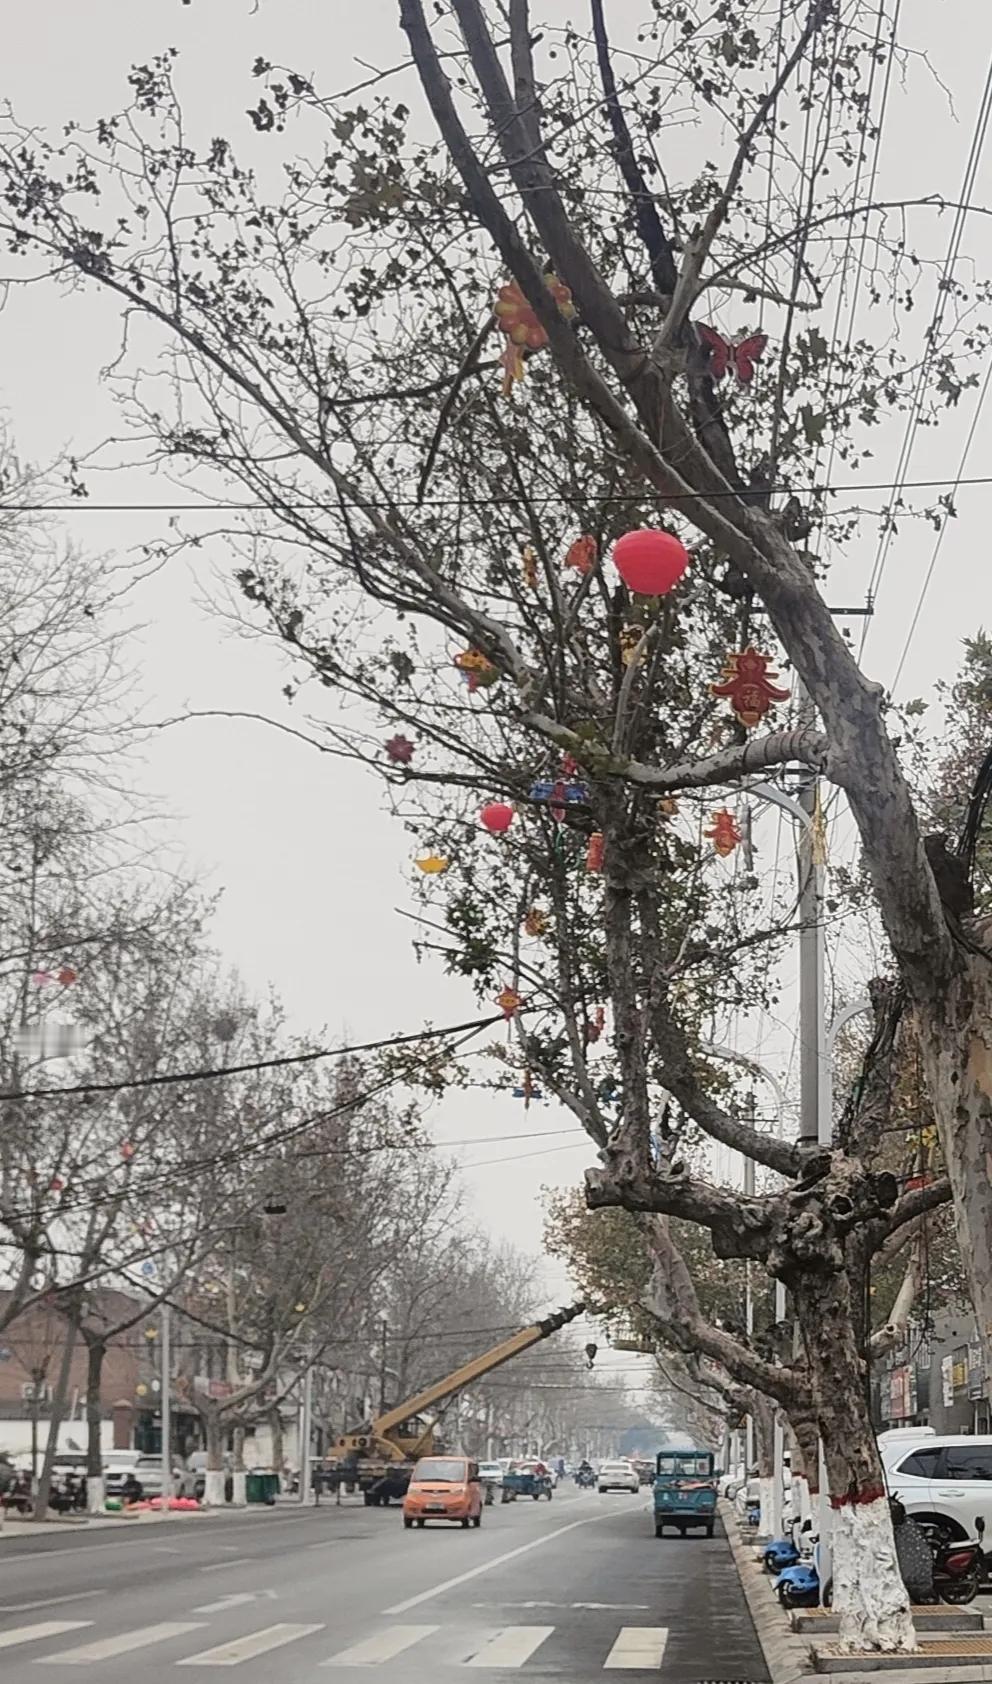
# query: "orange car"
{"type": "Point", "coordinates": [444, 1488]}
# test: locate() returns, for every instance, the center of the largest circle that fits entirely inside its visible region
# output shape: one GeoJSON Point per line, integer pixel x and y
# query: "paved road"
{"type": "Point", "coordinates": [562, 1590]}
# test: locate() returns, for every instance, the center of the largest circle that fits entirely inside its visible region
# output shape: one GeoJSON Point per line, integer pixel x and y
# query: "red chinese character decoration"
{"type": "Point", "coordinates": [509, 1001]}
{"type": "Point", "coordinates": [582, 554]}
{"type": "Point", "coordinates": [516, 318]}
{"type": "Point", "coordinates": [595, 851]}
{"type": "Point", "coordinates": [724, 835]}
{"type": "Point", "coordinates": [747, 683]}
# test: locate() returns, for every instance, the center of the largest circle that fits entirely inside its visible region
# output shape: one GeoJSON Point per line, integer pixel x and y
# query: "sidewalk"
{"type": "Point", "coordinates": [794, 1654]}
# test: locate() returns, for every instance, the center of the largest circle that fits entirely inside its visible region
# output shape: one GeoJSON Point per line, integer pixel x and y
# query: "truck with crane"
{"type": "Point", "coordinates": [379, 1456]}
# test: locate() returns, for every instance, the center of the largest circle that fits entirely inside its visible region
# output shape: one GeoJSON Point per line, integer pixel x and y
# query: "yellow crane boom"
{"type": "Point", "coordinates": [382, 1438]}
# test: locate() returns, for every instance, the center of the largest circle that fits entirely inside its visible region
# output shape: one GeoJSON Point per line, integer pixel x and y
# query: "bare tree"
{"type": "Point", "coordinates": [325, 346]}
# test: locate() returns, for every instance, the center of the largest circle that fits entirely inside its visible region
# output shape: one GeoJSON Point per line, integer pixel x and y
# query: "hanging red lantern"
{"type": "Point", "coordinates": [747, 685]}
{"type": "Point", "coordinates": [724, 835]}
{"type": "Point", "coordinates": [497, 816]}
{"type": "Point", "coordinates": [650, 562]}
{"type": "Point", "coordinates": [595, 851]}
{"type": "Point", "coordinates": [127, 1150]}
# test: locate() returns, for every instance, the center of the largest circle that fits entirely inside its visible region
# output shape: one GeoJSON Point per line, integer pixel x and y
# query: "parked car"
{"type": "Point", "coordinates": [618, 1476]}
{"type": "Point", "coordinates": [147, 1470]}
{"type": "Point", "coordinates": [944, 1481]}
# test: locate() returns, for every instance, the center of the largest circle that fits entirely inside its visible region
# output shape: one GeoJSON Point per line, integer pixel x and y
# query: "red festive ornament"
{"type": "Point", "coordinates": [582, 554]}
{"type": "Point", "coordinates": [66, 976]}
{"type": "Point", "coordinates": [509, 1002]}
{"type": "Point", "coordinates": [497, 816]}
{"type": "Point", "coordinates": [740, 357]}
{"type": "Point", "coordinates": [724, 835]}
{"type": "Point", "coordinates": [127, 1150]}
{"type": "Point", "coordinates": [595, 851]}
{"type": "Point", "coordinates": [55, 1185]}
{"type": "Point", "coordinates": [535, 921]}
{"type": "Point", "coordinates": [747, 684]}
{"type": "Point", "coordinates": [569, 766]}
{"type": "Point", "coordinates": [649, 562]}
{"type": "Point", "coordinates": [529, 565]}
{"type": "Point", "coordinates": [477, 670]}
{"type": "Point", "coordinates": [400, 750]}
{"type": "Point", "coordinates": [516, 318]}
{"type": "Point", "coordinates": [595, 1025]}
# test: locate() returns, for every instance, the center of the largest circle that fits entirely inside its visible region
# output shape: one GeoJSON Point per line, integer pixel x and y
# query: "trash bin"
{"type": "Point", "coordinates": [261, 1487]}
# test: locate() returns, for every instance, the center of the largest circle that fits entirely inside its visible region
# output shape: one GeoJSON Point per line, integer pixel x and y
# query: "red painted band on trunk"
{"type": "Point", "coordinates": [868, 1494]}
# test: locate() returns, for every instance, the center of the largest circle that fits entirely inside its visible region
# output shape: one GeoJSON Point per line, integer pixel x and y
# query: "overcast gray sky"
{"type": "Point", "coordinates": [312, 868]}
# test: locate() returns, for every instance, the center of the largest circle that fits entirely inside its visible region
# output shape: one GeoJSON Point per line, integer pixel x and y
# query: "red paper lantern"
{"type": "Point", "coordinates": [649, 562]}
{"type": "Point", "coordinates": [497, 816]}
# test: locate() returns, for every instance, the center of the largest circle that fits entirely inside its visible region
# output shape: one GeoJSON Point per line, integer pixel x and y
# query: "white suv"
{"type": "Point", "coordinates": [618, 1476]}
{"type": "Point", "coordinates": [944, 1481]}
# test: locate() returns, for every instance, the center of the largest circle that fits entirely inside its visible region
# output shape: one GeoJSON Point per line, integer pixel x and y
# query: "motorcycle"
{"type": "Point", "coordinates": [585, 1479]}
{"type": "Point", "coordinates": [957, 1574]}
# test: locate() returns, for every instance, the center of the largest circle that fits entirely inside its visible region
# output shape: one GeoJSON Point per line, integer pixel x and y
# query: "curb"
{"type": "Point", "coordinates": [787, 1656]}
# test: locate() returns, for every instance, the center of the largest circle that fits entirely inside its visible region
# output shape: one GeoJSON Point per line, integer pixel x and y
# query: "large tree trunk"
{"type": "Point", "coordinates": [96, 1493]}
{"type": "Point", "coordinates": [58, 1410]}
{"type": "Point", "coordinates": [239, 1478]}
{"type": "Point", "coordinates": [278, 1444]}
{"type": "Point", "coordinates": [955, 1033]}
{"type": "Point", "coordinates": [213, 1429]}
{"type": "Point", "coordinates": [869, 1594]}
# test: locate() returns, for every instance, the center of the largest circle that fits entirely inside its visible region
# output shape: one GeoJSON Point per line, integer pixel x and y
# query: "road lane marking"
{"type": "Point", "coordinates": [239, 1561]}
{"type": "Point", "coordinates": [487, 1566]}
{"type": "Point", "coordinates": [50, 1602]}
{"type": "Point", "coordinates": [637, 1648]}
{"type": "Point", "coordinates": [235, 1600]}
{"type": "Point", "coordinates": [511, 1647]}
{"type": "Point", "coordinates": [246, 1648]}
{"type": "Point", "coordinates": [383, 1646]}
{"type": "Point", "coordinates": [44, 1628]}
{"type": "Point", "coordinates": [106, 1648]}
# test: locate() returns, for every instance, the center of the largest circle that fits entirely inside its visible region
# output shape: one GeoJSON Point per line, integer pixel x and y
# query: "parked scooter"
{"type": "Point", "coordinates": [957, 1574]}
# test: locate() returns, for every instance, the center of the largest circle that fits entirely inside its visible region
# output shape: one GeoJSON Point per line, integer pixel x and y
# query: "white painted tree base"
{"type": "Point", "coordinates": [213, 1492]}
{"type": "Point", "coordinates": [239, 1493]}
{"type": "Point", "coordinates": [766, 1498]}
{"type": "Point", "coordinates": [869, 1595]}
{"type": "Point", "coordinates": [96, 1493]}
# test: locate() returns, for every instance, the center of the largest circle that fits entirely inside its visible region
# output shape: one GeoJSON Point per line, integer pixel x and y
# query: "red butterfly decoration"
{"type": "Point", "coordinates": [723, 354]}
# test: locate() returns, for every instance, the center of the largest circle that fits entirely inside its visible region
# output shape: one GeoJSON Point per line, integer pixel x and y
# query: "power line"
{"type": "Point", "coordinates": [493, 500]}
{"type": "Point", "coordinates": [203, 1075]}
{"type": "Point", "coordinates": [943, 528]}
{"type": "Point", "coordinates": [940, 304]}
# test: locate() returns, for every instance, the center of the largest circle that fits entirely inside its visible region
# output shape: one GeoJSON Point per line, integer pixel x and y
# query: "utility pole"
{"type": "Point", "coordinates": [165, 1344]}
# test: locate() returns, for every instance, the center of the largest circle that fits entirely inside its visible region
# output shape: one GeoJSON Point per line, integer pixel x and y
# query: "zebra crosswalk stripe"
{"type": "Point", "coordinates": [637, 1648]}
{"type": "Point", "coordinates": [246, 1648]}
{"type": "Point", "coordinates": [43, 1628]}
{"type": "Point", "coordinates": [383, 1646]}
{"type": "Point", "coordinates": [105, 1648]}
{"type": "Point", "coordinates": [511, 1647]}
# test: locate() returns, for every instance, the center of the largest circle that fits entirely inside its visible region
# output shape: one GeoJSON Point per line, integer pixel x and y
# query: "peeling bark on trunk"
{"type": "Point", "coordinates": [869, 1594]}
{"type": "Point", "coordinates": [239, 1478]}
{"type": "Point", "coordinates": [278, 1444]}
